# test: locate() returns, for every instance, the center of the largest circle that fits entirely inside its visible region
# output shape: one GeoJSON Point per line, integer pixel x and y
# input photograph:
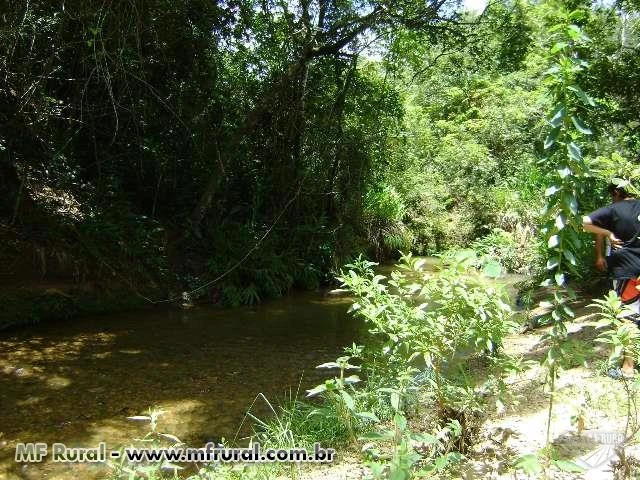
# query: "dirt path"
{"type": "Point", "coordinates": [585, 396]}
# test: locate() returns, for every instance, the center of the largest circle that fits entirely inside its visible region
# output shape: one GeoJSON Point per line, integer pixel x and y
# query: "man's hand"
{"type": "Point", "coordinates": [601, 264]}
{"type": "Point", "coordinates": [615, 241]}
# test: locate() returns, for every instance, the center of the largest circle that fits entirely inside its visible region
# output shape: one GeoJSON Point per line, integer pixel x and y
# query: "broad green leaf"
{"type": "Point", "coordinates": [554, 241]}
{"type": "Point", "coordinates": [576, 33]}
{"type": "Point", "coordinates": [441, 462]}
{"type": "Point", "coordinates": [398, 473]}
{"type": "Point", "coordinates": [571, 202]}
{"type": "Point", "coordinates": [551, 137]}
{"type": "Point", "coordinates": [582, 96]}
{"type": "Point", "coordinates": [560, 222]}
{"type": "Point", "coordinates": [400, 422]}
{"type": "Point", "coordinates": [558, 47]}
{"type": "Point", "coordinates": [551, 190]}
{"type": "Point", "coordinates": [492, 269]}
{"type": "Point", "coordinates": [316, 390]}
{"type": "Point", "coordinates": [569, 256]}
{"type": "Point", "coordinates": [552, 71]}
{"type": "Point", "coordinates": [568, 466]}
{"type": "Point", "coordinates": [553, 262]}
{"type": "Point", "coordinates": [564, 172]}
{"type": "Point", "coordinates": [348, 400]}
{"type": "Point", "coordinates": [580, 125]}
{"type": "Point", "coordinates": [368, 416]}
{"type": "Point", "coordinates": [352, 379]}
{"type": "Point", "coordinates": [558, 116]}
{"type": "Point", "coordinates": [425, 438]}
{"type": "Point", "coordinates": [329, 365]}
{"type": "Point", "coordinates": [395, 400]}
{"type": "Point", "coordinates": [574, 152]}
{"type": "Point", "coordinates": [559, 277]}
{"type": "Point", "coordinates": [620, 182]}
{"type": "Point", "coordinates": [356, 306]}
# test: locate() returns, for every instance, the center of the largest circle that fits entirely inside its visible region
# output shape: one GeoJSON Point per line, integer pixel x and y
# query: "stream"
{"type": "Point", "coordinates": [75, 382]}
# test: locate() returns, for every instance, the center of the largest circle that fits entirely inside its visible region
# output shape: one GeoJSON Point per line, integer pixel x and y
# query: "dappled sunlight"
{"type": "Point", "coordinates": [78, 382]}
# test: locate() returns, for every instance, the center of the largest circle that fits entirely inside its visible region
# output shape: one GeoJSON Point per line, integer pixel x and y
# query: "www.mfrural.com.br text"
{"type": "Point", "coordinates": [210, 453]}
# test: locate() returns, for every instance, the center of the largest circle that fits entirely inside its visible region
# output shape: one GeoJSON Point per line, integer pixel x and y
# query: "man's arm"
{"type": "Point", "coordinates": [588, 226]}
{"type": "Point", "coordinates": [601, 263]}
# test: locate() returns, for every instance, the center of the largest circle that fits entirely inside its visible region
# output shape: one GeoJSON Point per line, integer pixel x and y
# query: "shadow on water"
{"type": "Point", "coordinates": [76, 382]}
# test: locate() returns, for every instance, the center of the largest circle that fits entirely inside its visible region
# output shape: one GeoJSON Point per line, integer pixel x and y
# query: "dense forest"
{"type": "Point", "coordinates": [236, 150]}
{"type": "Point", "coordinates": [191, 152]}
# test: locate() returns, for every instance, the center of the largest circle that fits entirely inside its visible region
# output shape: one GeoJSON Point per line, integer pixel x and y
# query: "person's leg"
{"type": "Point", "coordinates": [627, 291]}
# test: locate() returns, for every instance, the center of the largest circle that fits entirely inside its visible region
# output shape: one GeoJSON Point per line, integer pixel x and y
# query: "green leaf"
{"type": "Point", "coordinates": [551, 190]}
{"type": "Point", "coordinates": [395, 400]}
{"type": "Point", "coordinates": [580, 125]}
{"type": "Point", "coordinates": [368, 416]}
{"type": "Point", "coordinates": [398, 474]}
{"type": "Point", "coordinates": [558, 116]}
{"type": "Point", "coordinates": [559, 277]}
{"type": "Point", "coordinates": [554, 241]}
{"type": "Point", "coordinates": [564, 172]}
{"type": "Point", "coordinates": [316, 390]}
{"type": "Point", "coordinates": [400, 422]}
{"type": "Point", "coordinates": [530, 464]}
{"type": "Point", "coordinates": [569, 256]}
{"type": "Point", "coordinates": [559, 46]}
{"type": "Point", "coordinates": [348, 400]}
{"type": "Point", "coordinates": [620, 182]}
{"type": "Point", "coordinates": [568, 466]}
{"type": "Point", "coordinates": [329, 365]}
{"type": "Point", "coordinates": [582, 96]}
{"type": "Point", "coordinates": [553, 70]}
{"type": "Point", "coordinates": [560, 222]}
{"type": "Point", "coordinates": [425, 438]}
{"type": "Point", "coordinates": [441, 463]}
{"type": "Point", "coordinates": [553, 262]}
{"type": "Point", "coordinates": [551, 137]}
{"type": "Point", "coordinates": [576, 33]}
{"type": "Point", "coordinates": [352, 379]}
{"type": "Point", "coordinates": [492, 269]}
{"type": "Point", "coordinates": [574, 152]}
{"type": "Point", "coordinates": [571, 202]}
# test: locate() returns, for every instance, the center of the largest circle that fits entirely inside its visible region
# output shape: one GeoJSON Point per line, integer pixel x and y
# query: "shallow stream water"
{"type": "Point", "coordinates": [76, 382]}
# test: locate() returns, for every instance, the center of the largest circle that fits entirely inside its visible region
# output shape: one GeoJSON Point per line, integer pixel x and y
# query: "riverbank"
{"type": "Point", "coordinates": [589, 416]}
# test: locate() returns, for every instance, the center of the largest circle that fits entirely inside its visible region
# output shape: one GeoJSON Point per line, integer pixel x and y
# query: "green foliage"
{"type": "Point", "coordinates": [436, 320]}
{"type": "Point", "coordinates": [340, 398]}
{"type": "Point", "coordinates": [620, 335]}
{"type": "Point", "coordinates": [516, 251]}
{"type": "Point", "coordinates": [27, 306]}
{"type": "Point", "coordinates": [565, 163]}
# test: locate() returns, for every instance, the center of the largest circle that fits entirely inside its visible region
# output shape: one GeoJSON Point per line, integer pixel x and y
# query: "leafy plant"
{"type": "Point", "coordinates": [563, 157]}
